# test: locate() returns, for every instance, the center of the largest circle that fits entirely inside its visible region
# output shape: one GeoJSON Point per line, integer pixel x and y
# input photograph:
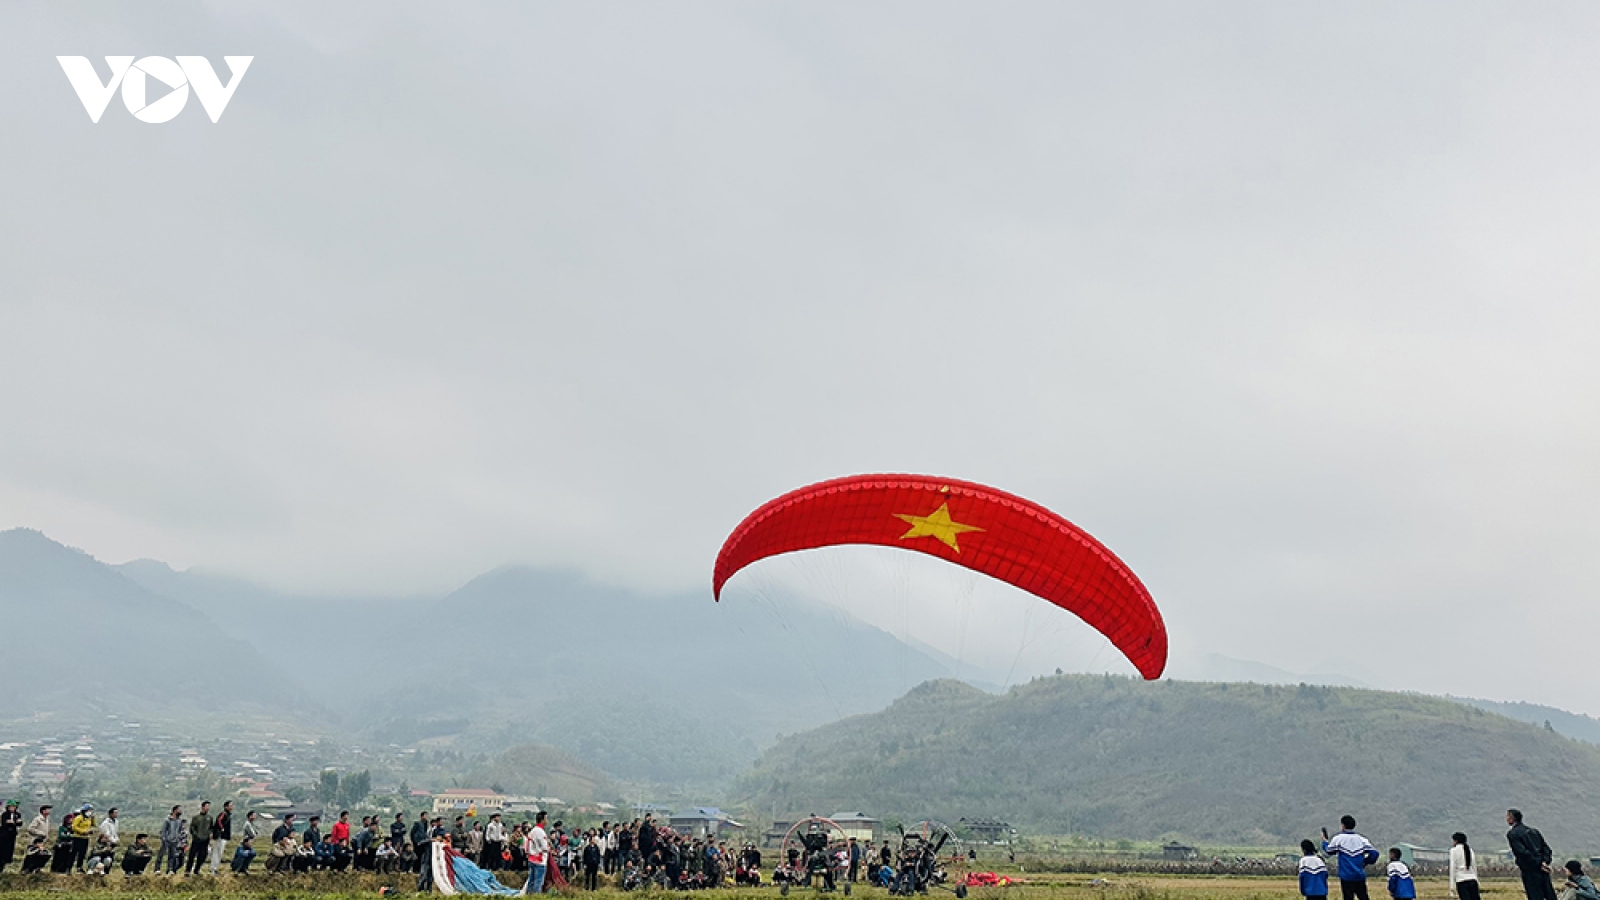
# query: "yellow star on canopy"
{"type": "Point", "coordinates": [936, 525]}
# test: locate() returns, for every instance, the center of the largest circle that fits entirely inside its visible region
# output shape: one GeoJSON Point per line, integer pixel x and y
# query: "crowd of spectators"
{"type": "Point", "coordinates": [630, 854]}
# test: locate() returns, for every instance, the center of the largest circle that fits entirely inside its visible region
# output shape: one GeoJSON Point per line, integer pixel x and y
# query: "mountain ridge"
{"type": "Point", "coordinates": [1228, 763]}
{"type": "Point", "coordinates": [130, 648]}
{"type": "Point", "coordinates": [521, 655]}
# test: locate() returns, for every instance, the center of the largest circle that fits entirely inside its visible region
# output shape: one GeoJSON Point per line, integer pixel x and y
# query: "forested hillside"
{"type": "Point", "coordinates": [538, 770]}
{"type": "Point", "coordinates": [84, 640]}
{"type": "Point", "coordinates": [1240, 763]}
{"type": "Point", "coordinates": [650, 688]}
{"type": "Point", "coordinates": [1574, 725]}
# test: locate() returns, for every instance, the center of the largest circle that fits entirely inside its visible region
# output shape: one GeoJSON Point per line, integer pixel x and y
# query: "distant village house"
{"type": "Point", "coordinates": [457, 801]}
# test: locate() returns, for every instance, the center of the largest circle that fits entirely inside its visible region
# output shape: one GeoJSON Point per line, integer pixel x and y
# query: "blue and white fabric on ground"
{"type": "Point", "coordinates": [472, 880]}
{"type": "Point", "coordinates": [455, 874]}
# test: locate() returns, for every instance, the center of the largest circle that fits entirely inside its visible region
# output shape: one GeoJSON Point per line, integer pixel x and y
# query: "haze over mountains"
{"type": "Point", "coordinates": [518, 655]}
{"type": "Point", "coordinates": [82, 638]}
{"type": "Point", "coordinates": [677, 690]}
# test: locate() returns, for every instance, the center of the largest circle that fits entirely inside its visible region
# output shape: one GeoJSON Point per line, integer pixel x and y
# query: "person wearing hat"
{"type": "Point", "coordinates": [40, 826]}
{"type": "Point", "coordinates": [83, 828]}
{"type": "Point", "coordinates": [494, 844]}
{"type": "Point", "coordinates": [1581, 885]}
{"type": "Point", "coordinates": [10, 824]}
{"type": "Point", "coordinates": [37, 857]}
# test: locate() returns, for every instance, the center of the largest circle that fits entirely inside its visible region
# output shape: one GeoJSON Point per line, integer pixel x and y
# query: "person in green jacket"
{"type": "Point", "coordinates": [199, 839]}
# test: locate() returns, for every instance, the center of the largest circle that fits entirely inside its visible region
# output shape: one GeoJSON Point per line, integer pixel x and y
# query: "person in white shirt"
{"type": "Point", "coordinates": [494, 844]}
{"type": "Point", "coordinates": [1463, 870]}
{"type": "Point", "coordinates": [538, 849]}
{"type": "Point", "coordinates": [387, 856]}
{"type": "Point", "coordinates": [108, 828]}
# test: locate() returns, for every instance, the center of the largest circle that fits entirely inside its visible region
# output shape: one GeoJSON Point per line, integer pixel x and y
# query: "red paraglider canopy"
{"type": "Point", "coordinates": [981, 528]}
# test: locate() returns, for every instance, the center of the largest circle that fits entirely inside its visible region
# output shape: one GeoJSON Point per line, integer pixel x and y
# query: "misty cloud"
{"type": "Point", "coordinates": [1291, 306]}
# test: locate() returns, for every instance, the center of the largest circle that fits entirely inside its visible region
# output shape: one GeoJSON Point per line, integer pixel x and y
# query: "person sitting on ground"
{"type": "Point", "coordinates": [99, 860]}
{"type": "Point", "coordinates": [305, 856]}
{"type": "Point", "coordinates": [242, 857]}
{"type": "Point", "coordinates": [36, 857]}
{"type": "Point", "coordinates": [1401, 887]}
{"type": "Point", "coordinates": [407, 860]}
{"type": "Point", "coordinates": [741, 873]}
{"type": "Point", "coordinates": [385, 858]}
{"type": "Point", "coordinates": [137, 857]}
{"type": "Point", "coordinates": [1580, 885]}
{"type": "Point", "coordinates": [339, 855]}
{"type": "Point", "coordinates": [280, 856]}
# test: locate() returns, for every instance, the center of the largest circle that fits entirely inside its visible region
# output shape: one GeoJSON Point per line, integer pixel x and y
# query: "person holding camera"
{"type": "Point", "coordinates": [1355, 853]}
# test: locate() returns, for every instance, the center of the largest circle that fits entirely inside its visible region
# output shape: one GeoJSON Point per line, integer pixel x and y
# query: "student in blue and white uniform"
{"type": "Point", "coordinates": [1355, 854]}
{"type": "Point", "coordinates": [1401, 887]}
{"type": "Point", "coordinates": [1313, 873]}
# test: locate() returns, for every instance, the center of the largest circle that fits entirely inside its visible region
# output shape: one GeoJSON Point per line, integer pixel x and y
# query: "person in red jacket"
{"type": "Point", "coordinates": [340, 833]}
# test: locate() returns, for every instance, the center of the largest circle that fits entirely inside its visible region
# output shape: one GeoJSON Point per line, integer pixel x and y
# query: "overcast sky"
{"type": "Point", "coordinates": [1292, 305]}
